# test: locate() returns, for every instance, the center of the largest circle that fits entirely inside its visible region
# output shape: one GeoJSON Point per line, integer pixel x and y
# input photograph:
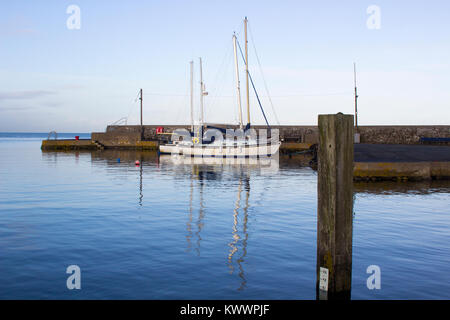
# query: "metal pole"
{"type": "Point", "coordinates": [238, 86]}
{"type": "Point", "coordinates": [142, 127]}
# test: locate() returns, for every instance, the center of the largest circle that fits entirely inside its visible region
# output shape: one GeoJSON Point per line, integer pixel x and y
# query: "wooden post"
{"type": "Point", "coordinates": [335, 205]}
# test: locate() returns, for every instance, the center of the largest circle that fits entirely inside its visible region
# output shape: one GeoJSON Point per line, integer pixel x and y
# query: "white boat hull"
{"type": "Point", "coordinates": [222, 151]}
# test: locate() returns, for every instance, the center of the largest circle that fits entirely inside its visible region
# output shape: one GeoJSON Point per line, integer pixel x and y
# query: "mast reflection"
{"type": "Point", "coordinates": [189, 223]}
{"type": "Point", "coordinates": [197, 173]}
{"type": "Point", "coordinates": [234, 244]}
{"type": "Point", "coordinates": [235, 234]}
{"type": "Point", "coordinates": [202, 172]}
{"type": "Point", "coordinates": [141, 195]}
{"type": "Point", "coordinates": [201, 214]}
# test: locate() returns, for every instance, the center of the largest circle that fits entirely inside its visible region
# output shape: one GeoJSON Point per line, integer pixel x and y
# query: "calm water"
{"type": "Point", "coordinates": [169, 230]}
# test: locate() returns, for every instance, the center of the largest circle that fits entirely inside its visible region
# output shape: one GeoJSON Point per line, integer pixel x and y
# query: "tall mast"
{"type": "Point", "coordinates": [192, 95]}
{"type": "Point", "coordinates": [238, 86]}
{"type": "Point", "coordinates": [356, 97]}
{"type": "Point", "coordinates": [246, 71]}
{"type": "Point", "coordinates": [201, 92]}
{"type": "Point", "coordinates": [142, 127]}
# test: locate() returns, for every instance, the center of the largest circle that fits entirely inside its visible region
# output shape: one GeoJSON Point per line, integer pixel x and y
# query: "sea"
{"type": "Point", "coordinates": [93, 225]}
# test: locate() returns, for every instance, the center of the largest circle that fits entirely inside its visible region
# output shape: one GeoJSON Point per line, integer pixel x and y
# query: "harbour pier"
{"type": "Point", "coordinates": [383, 153]}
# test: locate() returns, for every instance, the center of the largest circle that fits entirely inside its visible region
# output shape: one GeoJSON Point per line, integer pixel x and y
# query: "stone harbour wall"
{"type": "Point", "coordinates": [303, 134]}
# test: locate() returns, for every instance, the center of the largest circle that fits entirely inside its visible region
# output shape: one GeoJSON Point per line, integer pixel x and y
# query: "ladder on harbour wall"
{"type": "Point", "coordinates": [99, 145]}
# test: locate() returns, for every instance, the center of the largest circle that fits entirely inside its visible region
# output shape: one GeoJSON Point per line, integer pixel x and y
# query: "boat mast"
{"type": "Point", "coordinates": [237, 80]}
{"type": "Point", "coordinates": [192, 96]}
{"type": "Point", "coordinates": [246, 71]}
{"type": "Point", "coordinates": [201, 92]}
{"type": "Point", "coordinates": [356, 98]}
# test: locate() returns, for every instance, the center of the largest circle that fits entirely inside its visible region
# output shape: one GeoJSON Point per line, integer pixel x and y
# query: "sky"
{"type": "Point", "coordinates": [301, 53]}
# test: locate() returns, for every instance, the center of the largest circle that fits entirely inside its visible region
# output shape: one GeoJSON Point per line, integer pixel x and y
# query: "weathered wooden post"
{"type": "Point", "coordinates": [335, 206]}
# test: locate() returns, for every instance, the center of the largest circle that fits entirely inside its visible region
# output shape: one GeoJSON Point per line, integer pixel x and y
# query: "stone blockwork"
{"type": "Point", "coordinates": [68, 144]}
{"type": "Point", "coordinates": [401, 134]}
{"type": "Point", "coordinates": [399, 171]}
{"type": "Point", "coordinates": [116, 139]}
{"type": "Point", "coordinates": [299, 134]}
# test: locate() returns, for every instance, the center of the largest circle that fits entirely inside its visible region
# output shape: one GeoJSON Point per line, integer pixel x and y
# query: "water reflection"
{"type": "Point", "coordinates": [197, 174]}
{"type": "Point", "coordinates": [235, 232]}
{"type": "Point", "coordinates": [141, 195]}
{"type": "Point", "coordinates": [205, 169]}
{"type": "Point", "coordinates": [201, 214]}
{"type": "Point", "coordinates": [409, 187]}
{"type": "Point", "coordinates": [212, 168]}
{"type": "Point", "coordinates": [189, 223]}
{"type": "Point", "coordinates": [51, 157]}
{"type": "Point", "coordinates": [127, 157]}
{"type": "Point", "coordinates": [234, 244]}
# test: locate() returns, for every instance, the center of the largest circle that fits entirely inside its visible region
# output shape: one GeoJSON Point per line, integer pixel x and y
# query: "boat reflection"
{"type": "Point", "coordinates": [193, 238]}
{"type": "Point", "coordinates": [215, 166]}
{"type": "Point", "coordinates": [239, 239]}
{"type": "Point", "coordinates": [190, 215]}
{"type": "Point", "coordinates": [201, 215]}
{"type": "Point", "coordinates": [238, 169]}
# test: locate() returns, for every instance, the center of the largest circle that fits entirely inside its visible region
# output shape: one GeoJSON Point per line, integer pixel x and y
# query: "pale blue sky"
{"type": "Point", "coordinates": [53, 78]}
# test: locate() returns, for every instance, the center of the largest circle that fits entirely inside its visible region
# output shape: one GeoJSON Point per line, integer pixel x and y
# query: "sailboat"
{"type": "Point", "coordinates": [242, 142]}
